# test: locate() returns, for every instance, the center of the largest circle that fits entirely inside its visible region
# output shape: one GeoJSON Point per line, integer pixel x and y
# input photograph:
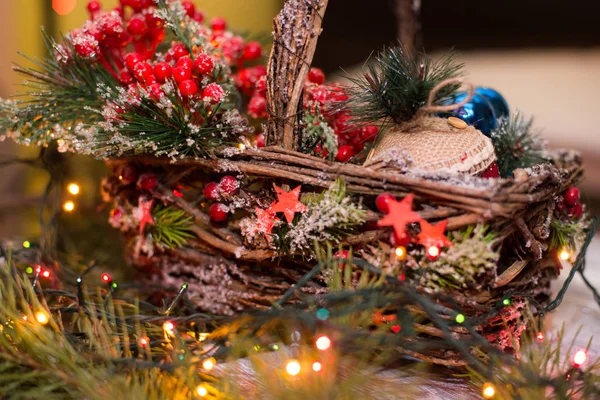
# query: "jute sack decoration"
{"type": "Point", "coordinates": [430, 143]}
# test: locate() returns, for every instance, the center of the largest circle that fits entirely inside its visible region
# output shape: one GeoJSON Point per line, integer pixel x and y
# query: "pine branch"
{"type": "Point", "coordinates": [171, 226]}
{"type": "Point", "coordinates": [516, 146]}
{"type": "Point", "coordinates": [397, 83]}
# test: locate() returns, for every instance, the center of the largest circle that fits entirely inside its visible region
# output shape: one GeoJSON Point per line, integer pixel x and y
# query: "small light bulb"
{"type": "Point", "coordinates": [400, 252]}
{"type": "Point", "coordinates": [433, 252]}
{"type": "Point", "coordinates": [73, 188]}
{"type": "Point", "coordinates": [241, 146]}
{"type": "Point", "coordinates": [564, 255]}
{"type": "Point", "coordinates": [506, 302]}
{"type": "Point", "coordinates": [144, 341]}
{"type": "Point", "coordinates": [317, 366]}
{"type": "Point", "coordinates": [201, 391]}
{"type": "Point", "coordinates": [69, 206]}
{"type": "Point", "coordinates": [323, 343]}
{"type": "Point", "coordinates": [579, 358]}
{"type": "Point", "coordinates": [293, 367]}
{"type": "Point", "coordinates": [106, 278]}
{"type": "Point", "coordinates": [46, 274]}
{"type": "Point", "coordinates": [489, 391]}
{"type": "Point", "coordinates": [169, 327]}
{"type": "Point", "coordinates": [27, 244]}
{"type": "Point", "coordinates": [540, 337]}
{"type": "Point", "coordinates": [209, 363]}
{"type": "Point", "coordinates": [42, 317]}
{"type": "Point", "coordinates": [460, 318]}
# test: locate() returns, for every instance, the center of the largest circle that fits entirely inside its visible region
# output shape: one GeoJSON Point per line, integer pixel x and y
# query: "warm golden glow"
{"type": "Point", "coordinates": [317, 366]}
{"type": "Point", "coordinates": [69, 206]}
{"type": "Point", "coordinates": [73, 188]}
{"type": "Point", "coordinates": [209, 363]}
{"type": "Point", "coordinates": [293, 367]}
{"type": "Point", "coordinates": [489, 391]}
{"type": "Point", "coordinates": [42, 317]}
{"type": "Point", "coordinates": [400, 252]}
{"type": "Point", "coordinates": [564, 255]}
{"type": "Point", "coordinates": [201, 391]}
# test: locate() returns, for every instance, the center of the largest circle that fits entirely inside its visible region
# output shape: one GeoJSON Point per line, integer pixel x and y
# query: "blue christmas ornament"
{"type": "Point", "coordinates": [498, 103]}
{"type": "Point", "coordinates": [477, 112]}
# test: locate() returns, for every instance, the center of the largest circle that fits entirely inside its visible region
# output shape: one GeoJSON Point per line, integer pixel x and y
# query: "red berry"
{"type": "Point", "coordinates": [139, 5]}
{"type": "Point", "coordinates": [143, 72]}
{"type": "Point", "coordinates": [189, 7]}
{"type": "Point", "coordinates": [316, 75]}
{"type": "Point", "coordinates": [147, 181]}
{"type": "Point", "coordinates": [369, 133]}
{"type": "Point", "coordinates": [575, 211]}
{"type": "Point", "coordinates": [199, 16]}
{"type": "Point", "coordinates": [218, 212]}
{"type": "Point", "coordinates": [188, 88]}
{"type": "Point", "coordinates": [152, 21]}
{"type": "Point", "coordinates": [218, 24]}
{"type": "Point", "coordinates": [572, 197]}
{"type": "Point", "coordinates": [257, 107]}
{"type": "Point", "coordinates": [229, 184]}
{"type": "Point", "coordinates": [260, 140]}
{"type": "Point", "coordinates": [261, 85]}
{"type": "Point", "coordinates": [345, 153]}
{"type": "Point", "coordinates": [128, 174]}
{"type": "Point", "coordinates": [93, 7]}
{"type": "Point", "coordinates": [203, 64]}
{"type": "Point", "coordinates": [125, 77]}
{"type": "Point", "coordinates": [321, 151]}
{"type": "Point", "coordinates": [86, 45]}
{"type": "Point", "coordinates": [382, 202]}
{"type": "Point", "coordinates": [560, 207]}
{"type": "Point", "coordinates": [213, 93]}
{"type": "Point", "coordinates": [177, 51]}
{"type": "Point", "coordinates": [116, 213]}
{"type": "Point", "coordinates": [211, 191]}
{"type": "Point", "coordinates": [137, 26]}
{"type": "Point", "coordinates": [156, 91]}
{"type": "Point", "coordinates": [162, 71]}
{"type": "Point", "coordinates": [181, 74]}
{"type": "Point", "coordinates": [400, 240]}
{"type": "Point", "coordinates": [252, 51]}
{"type": "Point", "coordinates": [343, 254]}
{"type": "Point", "coordinates": [132, 59]}
{"type": "Point", "coordinates": [185, 62]}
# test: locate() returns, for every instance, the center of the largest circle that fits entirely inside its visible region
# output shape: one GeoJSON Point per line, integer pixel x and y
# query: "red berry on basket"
{"type": "Point", "coordinates": [93, 7]}
{"type": "Point", "coordinates": [369, 133]}
{"type": "Point", "coordinates": [575, 211]}
{"type": "Point", "coordinates": [345, 153]}
{"type": "Point", "coordinates": [181, 74]}
{"type": "Point", "coordinates": [137, 26]}
{"type": "Point", "coordinates": [143, 72]}
{"type": "Point", "coordinates": [344, 254]}
{"type": "Point", "coordinates": [147, 181]}
{"type": "Point", "coordinates": [572, 196]}
{"type": "Point", "coordinates": [185, 62]}
{"type": "Point", "coordinates": [218, 24]}
{"type": "Point", "coordinates": [260, 140]}
{"type": "Point", "coordinates": [128, 174]}
{"type": "Point", "coordinates": [177, 51]}
{"type": "Point", "coordinates": [211, 191]}
{"type": "Point", "coordinates": [133, 59]}
{"type": "Point", "coordinates": [229, 184]}
{"type": "Point", "coordinates": [162, 71]}
{"type": "Point", "coordinates": [156, 91]}
{"type": "Point", "coordinates": [203, 64]}
{"type": "Point", "coordinates": [316, 75]}
{"type": "Point", "coordinates": [257, 107]}
{"type": "Point", "coordinates": [218, 212]}
{"type": "Point", "coordinates": [188, 88]}
{"type": "Point", "coordinates": [189, 7]}
{"type": "Point", "coordinates": [382, 202]}
{"type": "Point", "coordinates": [261, 85]}
{"type": "Point", "coordinates": [213, 93]}
{"type": "Point", "coordinates": [560, 207]}
{"type": "Point", "coordinates": [320, 151]}
{"type": "Point", "coordinates": [252, 51]}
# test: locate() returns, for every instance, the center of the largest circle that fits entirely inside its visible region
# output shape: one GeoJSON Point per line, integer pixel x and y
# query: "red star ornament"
{"type": "Point", "coordinates": [400, 214]}
{"type": "Point", "coordinates": [288, 203]}
{"type": "Point", "coordinates": [266, 222]}
{"type": "Point", "coordinates": [145, 206]}
{"type": "Point", "coordinates": [433, 235]}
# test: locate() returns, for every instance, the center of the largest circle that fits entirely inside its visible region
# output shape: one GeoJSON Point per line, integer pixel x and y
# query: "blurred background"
{"type": "Point", "coordinates": [542, 55]}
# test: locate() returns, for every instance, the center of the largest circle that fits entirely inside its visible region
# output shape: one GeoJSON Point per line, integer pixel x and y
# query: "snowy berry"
{"type": "Point", "coordinates": [86, 45]}
{"type": "Point", "coordinates": [133, 59]}
{"type": "Point", "coordinates": [261, 85]}
{"type": "Point", "coordinates": [162, 71]}
{"type": "Point", "coordinates": [188, 88]}
{"type": "Point", "coordinates": [321, 151]}
{"type": "Point", "coordinates": [189, 7]}
{"type": "Point", "coordinates": [156, 91]}
{"type": "Point", "coordinates": [229, 184]}
{"type": "Point", "coordinates": [213, 93]}
{"type": "Point", "coordinates": [345, 153]}
{"type": "Point", "coordinates": [316, 75]}
{"type": "Point", "coordinates": [203, 64]}
{"type": "Point", "coordinates": [185, 62]}
{"type": "Point", "coordinates": [177, 51]}
{"type": "Point", "coordinates": [232, 48]}
{"type": "Point", "coordinates": [572, 197]}
{"type": "Point", "coordinates": [128, 174]}
{"type": "Point", "coordinates": [575, 211]}
{"type": "Point", "coordinates": [137, 26]}
{"type": "Point", "coordinates": [369, 133]}
{"type": "Point", "coordinates": [218, 24]}
{"type": "Point", "coordinates": [218, 212]}
{"type": "Point", "coordinates": [147, 181]}
{"type": "Point", "coordinates": [260, 140]}
{"type": "Point", "coordinates": [257, 107]}
{"type": "Point", "coordinates": [198, 17]}
{"type": "Point", "coordinates": [93, 7]}
{"type": "Point", "coordinates": [382, 202]}
{"type": "Point", "coordinates": [252, 51]}
{"type": "Point", "coordinates": [143, 72]}
{"type": "Point", "coordinates": [211, 191]}
{"type": "Point", "coordinates": [181, 74]}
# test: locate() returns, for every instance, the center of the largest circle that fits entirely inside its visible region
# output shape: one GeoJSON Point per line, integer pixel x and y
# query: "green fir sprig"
{"type": "Point", "coordinates": [171, 226]}
{"type": "Point", "coordinates": [397, 83]}
{"type": "Point", "coordinates": [516, 146]}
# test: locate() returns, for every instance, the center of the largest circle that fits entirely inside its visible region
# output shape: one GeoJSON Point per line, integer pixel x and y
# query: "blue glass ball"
{"type": "Point", "coordinates": [498, 102]}
{"type": "Point", "coordinates": [477, 112]}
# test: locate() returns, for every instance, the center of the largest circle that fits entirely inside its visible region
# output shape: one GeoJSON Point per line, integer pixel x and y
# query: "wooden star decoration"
{"type": "Point", "coordinates": [433, 235]}
{"type": "Point", "coordinates": [145, 207]}
{"type": "Point", "coordinates": [266, 222]}
{"type": "Point", "coordinates": [400, 214]}
{"type": "Point", "coordinates": [288, 203]}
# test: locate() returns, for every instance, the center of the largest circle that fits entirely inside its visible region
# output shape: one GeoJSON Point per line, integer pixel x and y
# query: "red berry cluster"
{"type": "Point", "coordinates": [570, 207]}
{"type": "Point", "coordinates": [227, 186]}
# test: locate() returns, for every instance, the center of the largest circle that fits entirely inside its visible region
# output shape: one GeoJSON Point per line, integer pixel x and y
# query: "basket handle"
{"type": "Point", "coordinates": [430, 108]}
